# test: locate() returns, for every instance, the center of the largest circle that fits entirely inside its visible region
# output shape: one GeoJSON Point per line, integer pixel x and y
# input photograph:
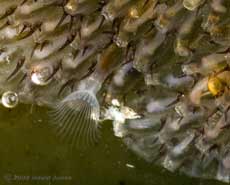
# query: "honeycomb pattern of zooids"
{"type": "Point", "coordinates": [159, 69]}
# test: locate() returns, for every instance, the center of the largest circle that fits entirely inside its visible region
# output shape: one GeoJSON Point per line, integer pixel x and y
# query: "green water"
{"type": "Point", "coordinates": [30, 154]}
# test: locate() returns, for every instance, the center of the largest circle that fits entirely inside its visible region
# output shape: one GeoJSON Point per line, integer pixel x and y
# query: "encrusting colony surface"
{"type": "Point", "coordinates": [159, 69]}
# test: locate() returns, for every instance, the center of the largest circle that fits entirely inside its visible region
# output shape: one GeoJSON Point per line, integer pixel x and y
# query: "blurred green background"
{"type": "Point", "coordinates": [31, 154]}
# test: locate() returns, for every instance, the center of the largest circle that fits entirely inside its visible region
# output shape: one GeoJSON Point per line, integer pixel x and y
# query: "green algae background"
{"type": "Point", "coordinates": [31, 154]}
